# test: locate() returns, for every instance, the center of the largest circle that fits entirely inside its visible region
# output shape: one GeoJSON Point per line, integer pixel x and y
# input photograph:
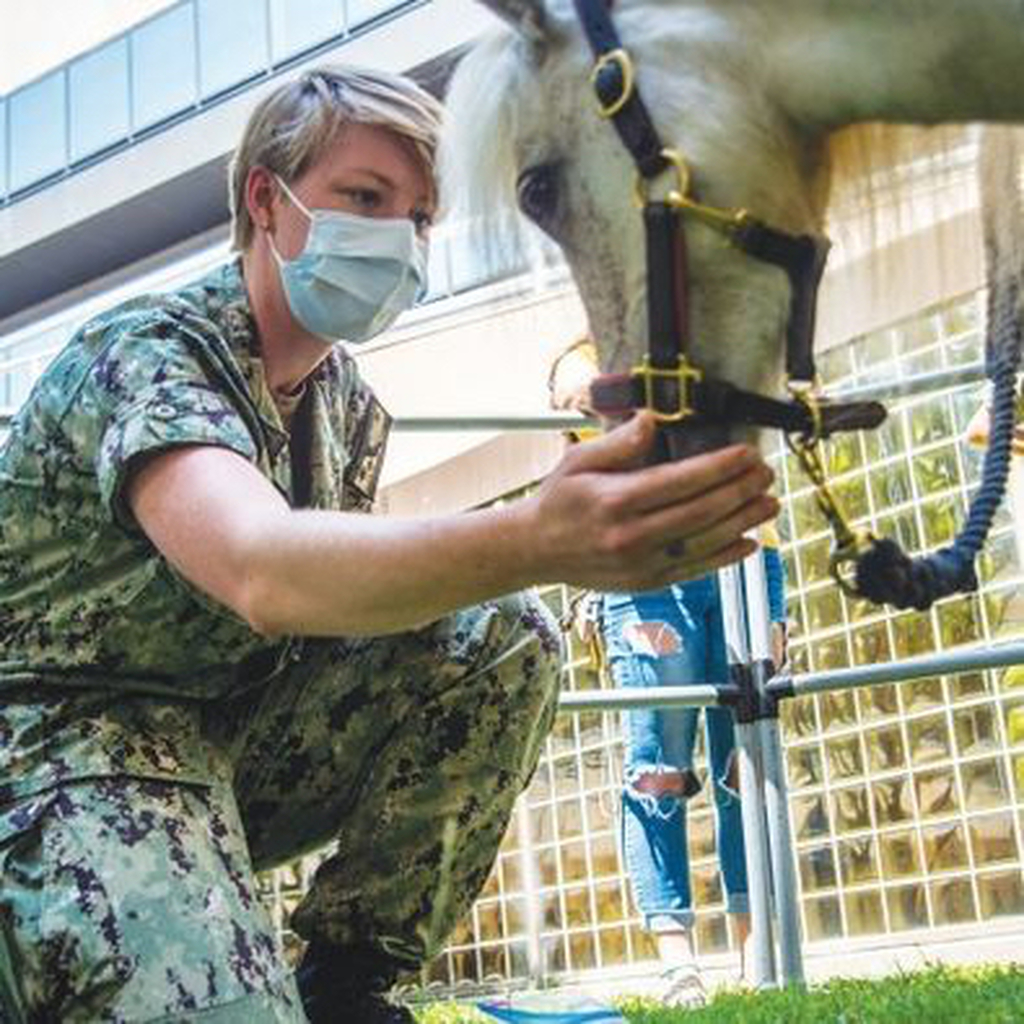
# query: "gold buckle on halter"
{"type": "Point", "coordinates": [685, 374]}
{"type": "Point", "coordinates": [719, 218]}
{"type": "Point", "coordinates": [621, 59]}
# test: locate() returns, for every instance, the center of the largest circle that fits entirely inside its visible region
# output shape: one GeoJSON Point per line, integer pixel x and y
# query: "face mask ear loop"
{"type": "Point", "coordinates": [293, 197]}
{"type": "Point", "coordinates": [298, 202]}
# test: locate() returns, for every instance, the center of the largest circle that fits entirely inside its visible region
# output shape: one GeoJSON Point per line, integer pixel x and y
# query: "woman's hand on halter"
{"type": "Point", "coordinates": [604, 520]}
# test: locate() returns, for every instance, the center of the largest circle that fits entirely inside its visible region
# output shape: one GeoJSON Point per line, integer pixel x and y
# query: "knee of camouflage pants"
{"type": "Point", "coordinates": [449, 726]}
{"type": "Point", "coordinates": [127, 899]}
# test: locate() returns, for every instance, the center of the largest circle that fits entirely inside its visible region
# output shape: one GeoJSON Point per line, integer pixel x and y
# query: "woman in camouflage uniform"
{"type": "Point", "coordinates": [212, 662]}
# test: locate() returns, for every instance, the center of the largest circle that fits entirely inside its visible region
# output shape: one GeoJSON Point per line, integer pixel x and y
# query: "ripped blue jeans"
{"type": "Point", "coordinates": [662, 638]}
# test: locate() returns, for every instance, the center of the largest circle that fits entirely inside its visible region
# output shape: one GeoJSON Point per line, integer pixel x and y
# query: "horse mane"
{"type": "Point", "coordinates": [476, 169]}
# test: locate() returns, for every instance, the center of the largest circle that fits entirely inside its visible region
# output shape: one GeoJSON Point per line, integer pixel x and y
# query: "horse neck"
{"type": "Point", "coordinates": [912, 61]}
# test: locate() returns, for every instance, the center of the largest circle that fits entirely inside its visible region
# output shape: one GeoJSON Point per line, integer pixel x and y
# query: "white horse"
{"type": "Point", "coordinates": [750, 92]}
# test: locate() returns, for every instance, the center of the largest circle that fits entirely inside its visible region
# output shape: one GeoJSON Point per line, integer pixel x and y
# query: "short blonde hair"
{"type": "Point", "coordinates": [291, 128]}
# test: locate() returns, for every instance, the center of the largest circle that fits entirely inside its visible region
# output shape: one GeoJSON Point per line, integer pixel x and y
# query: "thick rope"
{"type": "Point", "coordinates": [885, 574]}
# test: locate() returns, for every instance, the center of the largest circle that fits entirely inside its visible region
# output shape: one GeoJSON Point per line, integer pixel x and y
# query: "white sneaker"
{"type": "Point", "coordinates": [683, 986]}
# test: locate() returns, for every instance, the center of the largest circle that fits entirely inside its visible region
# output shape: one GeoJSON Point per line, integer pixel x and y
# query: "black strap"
{"type": "Point", "coordinates": [632, 121]}
{"type": "Point", "coordinates": [717, 401]}
{"type": "Point", "coordinates": [803, 258]}
{"type": "Point", "coordinates": [667, 316]}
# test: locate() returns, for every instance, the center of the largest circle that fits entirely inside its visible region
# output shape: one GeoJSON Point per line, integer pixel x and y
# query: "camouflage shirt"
{"type": "Point", "coordinates": [90, 613]}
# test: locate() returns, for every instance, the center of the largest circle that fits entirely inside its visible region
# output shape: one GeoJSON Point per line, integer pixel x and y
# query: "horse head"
{"type": "Point", "coordinates": [748, 93]}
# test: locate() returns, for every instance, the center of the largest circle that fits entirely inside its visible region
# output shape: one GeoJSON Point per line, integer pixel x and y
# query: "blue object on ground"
{"type": "Point", "coordinates": [552, 1008]}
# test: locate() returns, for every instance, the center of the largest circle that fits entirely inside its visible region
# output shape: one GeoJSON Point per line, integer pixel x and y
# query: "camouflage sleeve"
{"type": "Point", "coordinates": [153, 393]}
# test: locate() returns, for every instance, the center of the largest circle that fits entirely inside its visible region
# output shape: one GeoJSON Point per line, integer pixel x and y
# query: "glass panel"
{"type": "Point", "coordinates": [843, 451]}
{"type": "Point", "coordinates": [831, 654]}
{"type": "Point", "coordinates": [967, 685]}
{"type": "Point", "coordinates": [879, 701]}
{"type": "Point", "coordinates": [858, 861]}
{"type": "Point", "coordinates": [936, 793]}
{"type": "Point", "coordinates": [985, 785]}
{"type": "Point", "coordinates": [599, 811]}
{"type": "Point", "coordinates": [929, 739]}
{"type": "Point", "coordinates": [577, 907]}
{"type": "Point", "coordinates": [604, 855]}
{"type": "Point", "coordinates": [936, 471]}
{"type": "Point", "coordinates": [941, 519]}
{"type": "Point", "coordinates": [913, 634]}
{"type": "Point", "coordinates": [712, 933]}
{"type": "Point", "coordinates": [823, 918]}
{"type": "Point", "coordinates": [804, 766]}
{"type": "Point", "coordinates": [298, 25]}
{"type": "Point", "coordinates": [993, 838]}
{"type": "Point", "coordinates": [37, 131]}
{"type": "Point", "coordinates": [492, 963]}
{"type": "Point", "coordinates": [864, 913]}
{"type": "Point", "coordinates": [570, 818]}
{"type": "Point", "coordinates": [944, 847]}
{"type": "Point", "coordinates": [551, 910]}
{"type": "Point", "coordinates": [233, 42]}
{"type": "Point", "coordinates": [959, 622]}
{"type": "Point", "coordinates": [838, 709]}
{"type": "Point", "coordinates": [701, 829]}
{"type": "Point", "coordinates": [464, 965]}
{"type": "Point", "coordinates": [810, 817]}
{"type": "Point", "coordinates": [814, 559]}
{"type": "Point", "coordinates": [925, 693]}
{"type": "Point", "coordinates": [975, 729]}
{"type": "Point", "coordinates": [1001, 894]}
{"type": "Point", "coordinates": [885, 749]}
{"type": "Point", "coordinates": [362, 11]}
{"type": "Point", "coordinates": [542, 824]}
{"type": "Point", "coordinates": [871, 644]}
{"type": "Point", "coordinates": [163, 66]}
{"type": "Point", "coordinates": [488, 916]}
{"type": "Point", "coordinates": [900, 856]}
{"type": "Point", "coordinates": [98, 98]}
{"type": "Point", "coordinates": [707, 886]}
{"type": "Point", "coordinates": [511, 875]}
{"type": "Point", "coordinates": [614, 950]}
{"type": "Point", "coordinates": [999, 561]}
{"type": "Point", "coordinates": [953, 901]}
{"type": "Point", "coordinates": [799, 716]}
{"type": "Point", "coordinates": [567, 776]}
{"type": "Point", "coordinates": [817, 869]}
{"type": "Point", "coordinates": [930, 421]}
{"type": "Point", "coordinates": [853, 497]}
{"type": "Point", "coordinates": [892, 801]}
{"type": "Point", "coordinates": [574, 862]}
{"type": "Point", "coordinates": [515, 916]}
{"type": "Point", "coordinates": [850, 807]}
{"type": "Point", "coordinates": [887, 440]}
{"type": "Point", "coordinates": [908, 907]}
{"type": "Point", "coordinates": [610, 902]}
{"type": "Point", "coordinates": [824, 608]}
{"type": "Point", "coordinates": [582, 951]}
{"type": "Point", "coordinates": [844, 758]}
{"type": "Point", "coordinates": [890, 485]}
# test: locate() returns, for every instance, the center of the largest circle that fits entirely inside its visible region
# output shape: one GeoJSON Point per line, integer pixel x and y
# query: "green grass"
{"type": "Point", "coordinates": [940, 995]}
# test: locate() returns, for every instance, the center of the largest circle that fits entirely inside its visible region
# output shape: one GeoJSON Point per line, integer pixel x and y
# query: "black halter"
{"type": "Point", "coordinates": [678, 392]}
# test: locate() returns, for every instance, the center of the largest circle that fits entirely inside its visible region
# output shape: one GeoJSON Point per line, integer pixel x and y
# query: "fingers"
{"type": "Point", "coordinates": [618, 449]}
{"type": "Point", "coordinates": [672, 483]}
{"type": "Point", "coordinates": [714, 519]}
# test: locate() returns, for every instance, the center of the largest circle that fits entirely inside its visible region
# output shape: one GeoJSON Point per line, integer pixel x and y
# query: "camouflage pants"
{"type": "Point", "coordinates": [133, 899]}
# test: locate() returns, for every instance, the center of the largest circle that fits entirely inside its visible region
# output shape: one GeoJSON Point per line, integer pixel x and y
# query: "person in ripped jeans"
{"type": "Point", "coordinates": [670, 637]}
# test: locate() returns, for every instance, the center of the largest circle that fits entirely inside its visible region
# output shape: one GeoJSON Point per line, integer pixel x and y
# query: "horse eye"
{"type": "Point", "coordinates": [537, 192]}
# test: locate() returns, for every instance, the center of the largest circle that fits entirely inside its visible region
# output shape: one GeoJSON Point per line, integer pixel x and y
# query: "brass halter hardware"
{"type": "Point", "coordinates": [720, 218]}
{"type": "Point", "coordinates": [685, 374]}
{"type": "Point", "coordinates": [848, 542]}
{"type": "Point", "coordinates": [620, 59]}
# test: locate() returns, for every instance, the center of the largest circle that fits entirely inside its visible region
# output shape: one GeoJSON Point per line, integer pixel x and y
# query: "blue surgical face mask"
{"type": "Point", "coordinates": [355, 275]}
